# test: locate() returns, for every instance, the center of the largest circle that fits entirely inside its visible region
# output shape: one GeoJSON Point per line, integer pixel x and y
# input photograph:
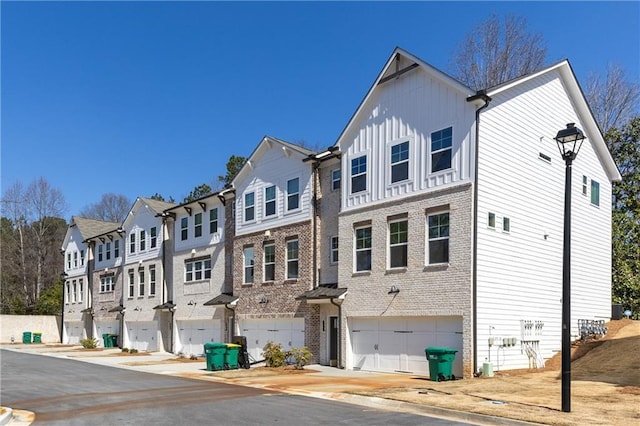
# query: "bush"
{"type": "Point", "coordinates": [125, 349]}
{"type": "Point", "coordinates": [133, 351]}
{"type": "Point", "coordinates": [301, 356]}
{"type": "Point", "coordinates": [89, 343]}
{"type": "Point", "coordinates": [273, 354]}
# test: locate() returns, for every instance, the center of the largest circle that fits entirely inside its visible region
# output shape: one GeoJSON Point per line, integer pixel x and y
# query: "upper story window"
{"type": "Point", "coordinates": [153, 233]}
{"type": "Point", "coordinates": [292, 259]}
{"type": "Point", "coordinates": [107, 284]}
{"type": "Point", "coordinates": [67, 293]}
{"type": "Point", "coordinates": [132, 284]}
{"type": "Point", "coordinates": [441, 149]}
{"type": "Point", "coordinates": [359, 174]}
{"type": "Point", "coordinates": [506, 224]}
{"type": "Point", "coordinates": [198, 225]}
{"type": "Point", "coordinates": [100, 252]}
{"type": "Point", "coordinates": [80, 290]}
{"type": "Point", "coordinates": [197, 270]}
{"type": "Point", "coordinates": [152, 280]}
{"type": "Point", "coordinates": [248, 265]}
{"type": "Point", "coordinates": [585, 180]}
{"type": "Point", "coordinates": [184, 228]}
{"type": "Point", "coordinates": [269, 262]}
{"type": "Point", "coordinates": [491, 220]}
{"type": "Point", "coordinates": [132, 243]}
{"type": "Point", "coordinates": [82, 257]}
{"type": "Point", "coordinates": [398, 244]}
{"type": "Point", "coordinates": [143, 240]}
{"type": "Point", "coordinates": [69, 260]}
{"type": "Point", "coordinates": [363, 249]}
{"type": "Point", "coordinates": [249, 206]}
{"type": "Point", "coordinates": [293, 194]}
{"type": "Point", "coordinates": [336, 176]}
{"type": "Point", "coordinates": [116, 250]}
{"type": "Point", "coordinates": [74, 292]}
{"type": "Point", "coordinates": [595, 193]}
{"type": "Point", "coordinates": [213, 221]}
{"type": "Point", "coordinates": [108, 250]}
{"type": "Point", "coordinates": [75, 259]}
{"type": "Point", "coordinates": [270, 200]}
{"type": "Point", "coordinates": [334, 250]}
{"type": "Point", "coordinates": [141, 283]}
{"type": "Point", "coordinates": [400, 162]}
{"type": "Point", "coordinates": [438, 236]}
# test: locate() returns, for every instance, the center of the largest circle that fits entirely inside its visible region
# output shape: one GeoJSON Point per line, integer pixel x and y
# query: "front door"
{"type": "Point", "coordinates": [333, 341]}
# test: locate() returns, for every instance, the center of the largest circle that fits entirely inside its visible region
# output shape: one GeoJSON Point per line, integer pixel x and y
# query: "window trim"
{"type": "Point", "coordinates": [116, 249]}
{"type": "Point", "coordinates": [152, 280]}
{"type": "Point", "coordinates": [100, 252]}
{"type": "Point", "coordinates": [365, 174]}
{"type": "Point", "coordinates": [273, 200]}
{"type": "Point", "coordinates": [246, 207]}
{"type": "Point", "coordinates": [390, 245]}
{"type": "Point", "coordinates": [506, 224]}
{"type": "Point", "coordinates": [143, 240]}
{"type": "Point", "coordinates": [334, 180]}
{"type": "Point", "coordinates": [334, 250]}
{"type": "Point", "coordinates": [595, 189]}
{"type": "Point", "coordinates": [432, 152]}
{"type": "Point", "coordinates": [213, 221]}
{"type": "Point", "coordinates": [132, 242]}
{"type": "Point", "coordinates": [356, 249]}
{"type": "Point", "coordinates": [293, 260]}
{"type": "Point", "coordinates": [271, 263]}
{"type": "Point", "coordinates": [107, 285]}
{"type": "Point", "coordinates": [197, 225]}
{"type": "Point", "coordinates": [429, 239]}
{"type": "Point", "coordinates": [153, 237]}
{"type": "Point", "coordinates": [132, 284]}
{"type": "Point", "coordinates": [141, 279]}
{"type": "Point", "coordinates": [246, 267]}
{"type": "Point", "coordinates": [199, 269]}
{"type": "Point", "coordinates": [391, 164]}
{"type": "Point", "coordinates": [297, 196]}
{"type": "Point", "coordinates": [491, 217]}
{"type": "Point", "coordinates": [184, 228]}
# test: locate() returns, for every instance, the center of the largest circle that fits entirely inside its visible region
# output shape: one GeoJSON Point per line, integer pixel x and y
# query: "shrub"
{"type": "Point", "coordinates": [273, 354]}
{"type": "Point", "coordinates": [301, 356]}
{"type": "Point", "coordinates": [125, 349]}
{"type": "Point", "coordinates": [133, 351]}
{"type": "Point", "coordinates": [89, 343]}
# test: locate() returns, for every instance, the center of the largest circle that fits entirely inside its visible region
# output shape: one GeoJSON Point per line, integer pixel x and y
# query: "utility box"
{"type": "Point", "coordinates": [440, 363]}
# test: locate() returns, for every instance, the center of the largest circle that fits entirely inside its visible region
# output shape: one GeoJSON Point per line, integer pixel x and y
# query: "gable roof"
{"type": "Point", "coordinates": [576, 95]}
{"type": "Point", "coordinates": [91, 227]}
{"type": "Point", "coordinates": [155, 205]}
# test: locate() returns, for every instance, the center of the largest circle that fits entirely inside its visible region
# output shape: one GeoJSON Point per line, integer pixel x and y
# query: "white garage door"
{"type": "Point", "coordinates": [106, 327]}
{"type": "Point", "coordinates": [289, 332]}
{"type": "Point", "coordinates": [398, 344]}
{"type": "Point", "coordinates": [192, 335]}
{"type": "Point", "coordinates": [142, 336]}
{"type": "Point", "coordinates": [74, 331]}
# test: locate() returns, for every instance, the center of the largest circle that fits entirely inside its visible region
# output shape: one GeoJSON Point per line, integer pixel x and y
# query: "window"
{"type": "Point", "coordinates": [363, 249]}
{"type": "Point", "coordinates": [491, 220]}
{"type": "Point", "coordinates": [270, 201]}
{"type": "Point", "coordinates": [249, 207]}
{"type": "Point", "coordinates": [108, 250]}
{"type": "Point", "coordinates": [334, 249]}
{"type": "Point", "coordinates": [67, 294]}
{"type": "Point", "coordinates": [141, 283]}
{"type": "Point", "coordinates": [359, 174]}
{"type": "Point", "coordinates": [270, 262]}
{"type": "Point", "coordinates": [100, 252]}
{"type": "Point", "coordinates": [106, 284]}
{"type": "Point", "coordinates": [213, 221]}
{"type": "Point", "coordinates": [198, 225]}
{"type": "Point", "coordinates": [81, 257]}
{"type": "Point", "coordinates": [292, 259]}
{"type": "Point", "coordinates": [506, 224]}
{"type": "Point", "coordinates": [132, 286]}
{"type": "Point", "coordinates": [595, 193]}
{"type": "Point", "coordinates": [335, 179]}
{"type": "Point", "coordinates": [248, 265]}
{"type": "Point", "coordinates": [184, 228]}
{"type": "Point", "coordinates": [143, 240]}
{"type": "Point", "coordinates": [132, 243]}
{"type": "Point", "coordinates": [68, 260]}
{"type": "Point", "coordinates": [74, 292]}
{"type": "Point", "coordinates": [293, 194]}
{"type": "Point", "coordinates": [116, 250]}
{"type": "Point", "coordinates": [75, 259]}
{"type": "Point", "coordinates": [398, 244]}
{"type": "Point", "coordinates": [441, 150]}
{"type": "Point", "coordinates": [438, 225]}
{"type": "Point", "coordinates": [152, 280]}
{"type": "Point", "coordinates": [400, 162]}
{"type": "Point", "coordinates": [584, 185]}
{"type": "Point", "coordinates": [154, 237]}
{"type": "Point", "coordinates": [198, 270]}
{"type": "Point", "coordinates": [80, 290]}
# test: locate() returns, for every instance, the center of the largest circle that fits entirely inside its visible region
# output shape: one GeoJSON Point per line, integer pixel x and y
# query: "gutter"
{"type": "Point", "coordinates": [481, 94]}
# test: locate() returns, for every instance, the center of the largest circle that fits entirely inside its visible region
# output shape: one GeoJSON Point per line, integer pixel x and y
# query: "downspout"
{"type": "Point", "coordinates": [233, 320]}
{"type": "Point", "coordinates": [481, 94]}
{"type": "Point", "coordinates": [164, 279]}
{"type": "Point", "coordinates": [316, 164]}
{"type": "Point", "coordinates": [339, 306]}
{"type": "Point", "coordinates": [90, 293]}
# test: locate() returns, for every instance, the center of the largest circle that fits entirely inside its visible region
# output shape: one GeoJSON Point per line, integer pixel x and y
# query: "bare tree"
{"type": "Point", "coordinates": [497, 51]}
{"type": "Point", "coordinates": [110, 208]}
{"type": "Point", "coordinates": [13, 247]}
{"type": "Point", "coordinates": [613, 99]}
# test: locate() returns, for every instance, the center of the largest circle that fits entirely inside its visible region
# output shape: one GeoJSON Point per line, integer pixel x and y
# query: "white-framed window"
{"type": "Point", "coordinates": [132, 284]}
{"type": "Point", "coordinates": [197, 228]}
{"type": "Point", "coordinates": [143, 240]}
{"type": "Point", "coordinates": [441, 142]}
{"type": "Point", "coordinates": [506, 224]}
{"type": "Point", "coordinates": [74, 292]}
{"type": "Point", "coordinates": [75, 259]}
{"type": "Point", "coordinates": [100, 252]}
{"type": "Point", "coordinates": [82, 257]}
{"type": "Point", "coordinates": [249, 207]}
{"type": "Point", "coordinates": [153, 234]}
{"type": "Point", "coordinates": [336, 177]}
{"type": "Point", "coordinates": [398, 244]}
{"type": "Point", "coordinates": [334, 249]}
{"type": "Point", "coordinates": [108, 250]}
{"type": "Point", "coordinates": [438, 238]}
{"type": "Point", "coordinates": [80, 290]}
{"type": "Point", "coordinates": [116, 250]}
{"type": "Point", "coordinates": [184, 228]}
{"type": "Point", "coordinates": [359, 174]}
{"type": "Point", "coordinates": [249, 263]}
{"type": "Point", "coordinates": [106, 284]}
{"type": "Point", "coordinates": [292, 259]}
{"type": "Point", "coordinates": [293, 194]}
{"type": "Point", "coordinates": [67, 293]}
{"type": "Point", "coordinates": [269, 262]}
{"type": "Point", "coordinates": [69, 260]}
{"type": "Point", "coordinates": [197, 270]}
{"type": "Point", "coordinates": [132, 242]}
{"type": "Point", "coordinates": [491, 220]}
{"type": "Point", "coordinates": [141, 283]}
{"type": "Point", "coordinates": [400, 162]}
{"type": "Point", "coordinates": [595, 193]}
{"type": "Point", "coordinates": [585, 182]}
{"type": "Point", "coordinates": [152, 280]}
{"type": "Point", "coordinates": [363, 248]}
{"type": "Point", "coordinates": [213, 220]}
{"type": "Point", "coordinates": [270, 201]}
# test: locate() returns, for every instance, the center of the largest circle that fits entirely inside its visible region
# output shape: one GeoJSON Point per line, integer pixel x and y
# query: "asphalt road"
{"type": "Point", "coordinates": [71, 392]}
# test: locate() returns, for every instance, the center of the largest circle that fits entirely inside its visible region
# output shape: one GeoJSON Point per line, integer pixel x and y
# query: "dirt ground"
{"type": "Point", "coordinates": [605, 386]}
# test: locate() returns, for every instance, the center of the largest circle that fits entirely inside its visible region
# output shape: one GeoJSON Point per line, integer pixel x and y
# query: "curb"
{"type": "Point", "coordinates": [6, 416]}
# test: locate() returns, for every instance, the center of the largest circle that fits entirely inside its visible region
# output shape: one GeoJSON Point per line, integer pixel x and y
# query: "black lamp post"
{"type": "Point", "coordinates": [569, 142]}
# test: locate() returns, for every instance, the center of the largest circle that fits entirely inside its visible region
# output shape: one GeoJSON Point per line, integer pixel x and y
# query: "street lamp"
{"type": "Point", "coordinates": [569, 142]}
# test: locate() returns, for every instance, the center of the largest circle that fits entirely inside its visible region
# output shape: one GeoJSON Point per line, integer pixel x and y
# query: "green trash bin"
{"type": "Point", "coordinates": [106, 341]}
{"type": "Point", "coordinates": [440, 363]}
{"type": "Point", "coordinates": [215, 353]}
{"type": "Point", "coordinates": [113, 340]}
{"type": "Point", "coordinates": [37, 337]}
{"type": "Point", "coordinates": [26, 337]}
{"type": "Point", "coordinates": [231, 356]}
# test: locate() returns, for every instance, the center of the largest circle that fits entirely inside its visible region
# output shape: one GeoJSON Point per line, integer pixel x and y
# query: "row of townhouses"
{"type": "Point", "coordinates": [436, 219]}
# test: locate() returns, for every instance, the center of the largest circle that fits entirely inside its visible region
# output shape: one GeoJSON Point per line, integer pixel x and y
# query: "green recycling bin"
{"type": "Point", "coordinates": [215, 353]}
{"type": "Point", "coordinates": [113, 340]}
{"type": "Point", "coordinates": [26, 337]}
{"type": "Point", "coordinates": [231, 356]}
{"type": "Point", "coordinates": [37, 337]}
{"type": "Point", "coordinates": [440, 363]}
{"type": "Point", "coordinates": [106, 340]}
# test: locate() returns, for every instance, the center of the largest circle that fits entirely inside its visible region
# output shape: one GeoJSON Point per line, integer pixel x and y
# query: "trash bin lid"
{"type": "Point", "coordinates": [212, 345]}
{"type": "Point", "coordinates": [232, 345]}
{"type": "Point", "coordinates": [440, 350]}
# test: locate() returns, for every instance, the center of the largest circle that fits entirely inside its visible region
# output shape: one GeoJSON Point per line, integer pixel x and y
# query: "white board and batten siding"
{"type": "Point", "coordinates": [520, 270]}
{"type": "Point", "coordinates": [409, 109]}
{"type": "Point", "coordinates": [143, 218]}
{"type": "Point", "coordinates": [207, 238]}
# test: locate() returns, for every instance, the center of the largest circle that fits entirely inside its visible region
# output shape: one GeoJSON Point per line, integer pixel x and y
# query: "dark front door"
{"type": "Point", "coordinates": [333, 341]}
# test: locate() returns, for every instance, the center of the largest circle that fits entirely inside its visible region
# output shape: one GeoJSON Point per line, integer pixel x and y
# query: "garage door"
{"type": "Point", "coordinates": [398, 344]}
{"type": "Point", "coordinates": [192, 335]}
{"type": "Point", "coordinates": [106, 327]}
{"type": "Point", "coordinates": [143, 336]}
{"type": "Point", "coordinates": [289, 332]}
{"type": "Point", "coordinates": [74, 331]}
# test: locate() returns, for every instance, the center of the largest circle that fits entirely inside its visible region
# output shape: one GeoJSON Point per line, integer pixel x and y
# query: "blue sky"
{"type": "Point", "coordinates": [143, 97]}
